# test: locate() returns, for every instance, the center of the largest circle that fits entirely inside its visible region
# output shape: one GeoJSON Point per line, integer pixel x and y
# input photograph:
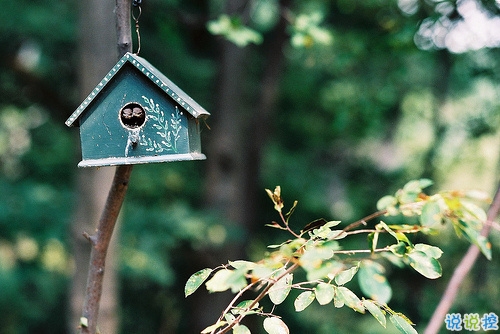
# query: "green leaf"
{"type": "Point", "coordinates": [431, 251]}
{"type": "Point", "coordinates": [373, 240]}
{"type": "Point", "coordinates": [417, 185]}
{"type": "Point", "coordinates": [303, 300]}
{"type": "Point", "coordinates": [307, 32]}
{"type": "Point", "coordinates": [402, 324]}
{"type": "Point", "coordinates": [261, 271]}
{"type": "Point", "coordinates": [398, 249]}
{"type": "Point", "coordinates": [324, 293]}
{"type": "Point", "coordinates": [218, 282]}
{"type": "Point", "coordinates": [196, 280]}
{"type": "Point", "coordinates": [242, 307]}
{"type": "Point", "coordinates": [280, 290]}
{"type": "Point", "coordinates": [213, 327]}
{"type": "Point", "coordinates": [325, 269]}
{"type": "Point", "coordinates": [395, 260]}
{"type": "Point", "coordinates": [412, 189]}
{"type": "Point", "coordinates": [276, 198]}
{"type": "Point", "coordinates": [475, 211]}
{"type": "Point", "coordinates": [337, 235]}
{"type": "Point", "coordinates": [229, 317]}
{"type": "Point", "coordinates": [325, 231]}
{"type": "Point", "coordinates": [345, 276]}
{"type": "Point", "coordinates": [478, 195]}
{"type": "Point", "coordinates": [232, 29]}
{"type": "Point", "coordinates": [424, 183]}
{"type": "Point", "coordinates": [242, 264]}
{"type": "Point", "coordinates": [241, 329]}
{"type": "Point", "coordinates": [314, 256]}
{"type": "Point", "coordinates": [424, 264]}
{"type": "Point", "coordinates": [402, 237]}
{"type": "Point", "coordinates": [273, 325]}
{"type": "Point", "coordinates": [385, 202]}
{"type": "Point", "coordinates": [431, 215]}
{"type": "Point", "coordinates": [350, 299]}
{"type": "Point", "coordinates": [484, 245]}
{"type": "Point", "coordinates": [383, 226]}
{"type": "Point", "coordinates": [473, 236]}
{"type": "Point", "coordinates": [225, 279]}
{"type": "Point", "coordinates": [373, 283]}
{"type": "Point", "coordinates": [375, 311]}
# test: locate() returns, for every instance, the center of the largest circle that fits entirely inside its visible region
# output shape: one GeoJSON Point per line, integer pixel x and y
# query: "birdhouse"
{"type": "Point", "coordinates": [137, 115]}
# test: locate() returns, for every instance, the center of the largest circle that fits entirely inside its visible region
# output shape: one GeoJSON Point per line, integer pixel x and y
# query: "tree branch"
{"type": "Point", "coordinates": [461, 271]}
{"type": "Point", "coordinates": [100, 241]}
{"type": "Point", "coordinates": [100, 248]}
{"type": "Point", "coordinates": [261, 295]}
{"type": "Point", "coordinates": [123, 27]}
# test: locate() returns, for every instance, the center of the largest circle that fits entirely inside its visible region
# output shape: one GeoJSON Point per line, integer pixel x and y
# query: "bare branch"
{"type": "Point", "coordinates": [100, 242]}
{"type": "Point", "coordinates": [461, 271]}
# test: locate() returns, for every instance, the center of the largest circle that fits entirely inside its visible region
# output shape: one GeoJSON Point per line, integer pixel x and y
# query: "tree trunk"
{"type": "Point", "coordinates": [97, 56]}
{"type": "Point", "coordinates": [262, 116]}
{"type": "Point", "coordinates": [239, 130]}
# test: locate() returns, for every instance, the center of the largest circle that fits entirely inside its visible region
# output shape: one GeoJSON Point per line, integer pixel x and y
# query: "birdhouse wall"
{"type": "Point", "coordinates": [166, 130]}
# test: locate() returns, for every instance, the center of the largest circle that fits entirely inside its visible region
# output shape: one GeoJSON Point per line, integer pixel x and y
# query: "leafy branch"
{"type": "Point", "coordinates": [328, 267]}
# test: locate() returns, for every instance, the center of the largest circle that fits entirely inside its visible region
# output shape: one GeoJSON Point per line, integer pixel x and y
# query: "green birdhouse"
{"type": "Point", "coordinates": [137, 115]}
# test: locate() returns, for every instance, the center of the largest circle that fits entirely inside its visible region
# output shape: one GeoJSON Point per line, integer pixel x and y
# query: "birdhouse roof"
{"type": "Point", "coordinates": [155, 76]}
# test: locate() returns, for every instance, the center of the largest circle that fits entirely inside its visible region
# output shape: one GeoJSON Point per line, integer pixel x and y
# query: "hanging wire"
{"type": "Point", "coordinates": [137, 4]}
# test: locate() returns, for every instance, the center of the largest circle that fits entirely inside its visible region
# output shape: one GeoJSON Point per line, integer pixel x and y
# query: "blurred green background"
{"type": "Point", "coordinates": [338, 102]}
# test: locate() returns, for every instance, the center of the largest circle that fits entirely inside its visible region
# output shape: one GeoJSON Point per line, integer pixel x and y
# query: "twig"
{"type": "Point", "coordinates": [261, 295]}
{"type": "Point", "coordinates": [364, 220]}
{"type": "Point", "coordinates": [461, 271]}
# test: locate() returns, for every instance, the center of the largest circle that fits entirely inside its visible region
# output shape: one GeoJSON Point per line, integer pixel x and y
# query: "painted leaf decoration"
{"type": "Point", "coordinates": [196, 280]}
{"type": "Point", "coordinates": [402, 324]}
{"type": "Point", "coordinates": [424, 264]}
{"type": "Point", "coordinates": [324, 293]}
{"type": "Point", "coordinates": [373, 283]}
{"type": "Point", "coordinates": [280, 290]}
{"type": "Point", "coordinates": [303, 300]}
{"type": "Point", "coordinates": [375, 311]}
{"type": "Point", "coordinates": [275, 325]}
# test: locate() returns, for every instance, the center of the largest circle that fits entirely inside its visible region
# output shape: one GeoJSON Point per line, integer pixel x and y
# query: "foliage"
{"type": "Point", "coordinates": [232, 29]}
{"type": "Point", "coordinates": [317, 251]}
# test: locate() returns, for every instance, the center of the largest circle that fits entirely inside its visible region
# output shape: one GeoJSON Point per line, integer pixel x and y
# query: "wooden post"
{"type": "Point", "coordinates": [101, 239]}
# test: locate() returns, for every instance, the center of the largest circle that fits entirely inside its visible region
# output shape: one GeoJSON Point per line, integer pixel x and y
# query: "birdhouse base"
{"type": "Point", "coordinates": [140, 160]}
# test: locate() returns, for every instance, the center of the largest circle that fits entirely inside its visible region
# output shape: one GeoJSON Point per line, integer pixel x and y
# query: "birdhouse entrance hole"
{"type": "Point", "coordinates": [132, 116]}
